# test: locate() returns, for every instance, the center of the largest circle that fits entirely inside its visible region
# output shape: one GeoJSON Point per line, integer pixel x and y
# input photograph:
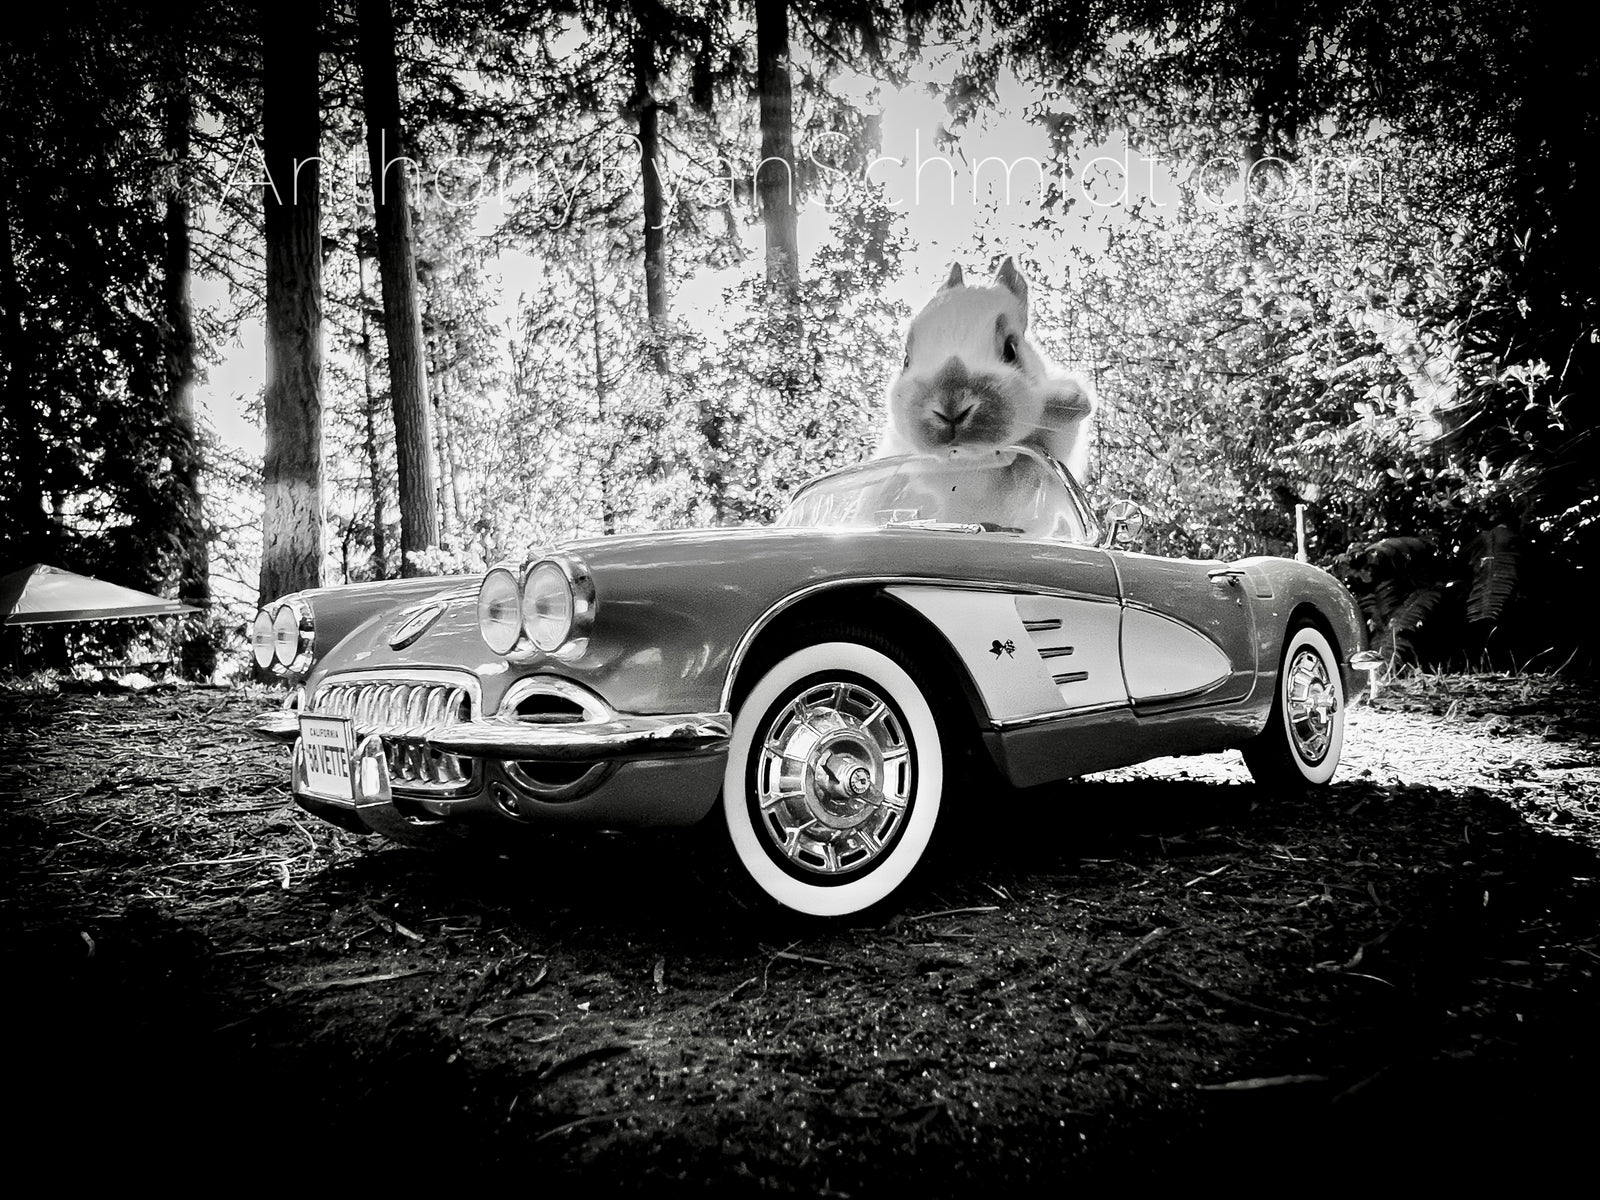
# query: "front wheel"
{"type": "Point", "coordinates": [1305, 733]}
{"type": "Point", "coordinates": [834, 779]}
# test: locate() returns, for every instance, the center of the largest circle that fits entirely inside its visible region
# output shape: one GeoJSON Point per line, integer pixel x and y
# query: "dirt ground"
{"type": "Point", "coordinates": [1159, 975]}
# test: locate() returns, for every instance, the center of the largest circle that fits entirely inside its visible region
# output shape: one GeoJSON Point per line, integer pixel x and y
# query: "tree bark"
{"type": "Point", "coordinates": [380, 517]}
{"type": "Point", "coordinates": [292, 520]}
{"type": "Point", "coordinates": [775, 182]}
{"type": "Point", "coordinates": [608, 507]}
{"type": "Point", "coordinates": [449, 500]}
{"type": "Point", "coordinates": [30, 538]}
{"type": "Point", "coordinates": [655, 208]}
{"type": "Point", "coordinates": [199, 650]}
{"type": "Point", "coordinates": [402, 316]}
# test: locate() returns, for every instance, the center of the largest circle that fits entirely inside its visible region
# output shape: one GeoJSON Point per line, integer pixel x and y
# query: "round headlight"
{"type": "Point", "coordinates": [500, 611]}
{"type": "Point", "coordinates": [261, 639]}
{"type": "Point", "coordinates": [286, 635]}
{"type": "Point", "coordinates": [547, 606]}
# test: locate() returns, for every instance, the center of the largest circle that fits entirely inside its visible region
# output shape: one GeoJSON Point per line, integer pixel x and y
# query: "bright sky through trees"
{"type": "Point", "coordinates": [990, 178]}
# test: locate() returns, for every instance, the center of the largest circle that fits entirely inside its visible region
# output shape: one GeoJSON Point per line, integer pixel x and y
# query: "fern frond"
{"type": "Point", "coordinates": [1496, 557]}
{"type": "Point", "coordinates": [1394, 552]}
{"type": "Point", "coordinates": [1399, 635]}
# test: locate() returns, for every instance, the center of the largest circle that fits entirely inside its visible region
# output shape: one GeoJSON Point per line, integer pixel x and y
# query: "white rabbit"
{"type": "Point", "coordinates": [971, 378]}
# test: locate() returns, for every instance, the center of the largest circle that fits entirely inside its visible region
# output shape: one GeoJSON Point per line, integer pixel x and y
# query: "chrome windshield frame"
{"type": "Point", "coordinates": [1081, 511]}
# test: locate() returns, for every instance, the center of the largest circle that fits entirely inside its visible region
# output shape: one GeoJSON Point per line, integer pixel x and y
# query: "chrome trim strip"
{"type": "Point", "coordinates": [279, 725]}
{"type": "Point", "coordinates": [414, 622]}
{"type": "Point", "coordinates": [668, 736]}
{"type": "Point", "coordinates": [1059, 714]}
{"type": "Point", "coordinates": [521, 773]}
{"type": "Point", "coordinates": [436, 675]}
{"type": "Point", "coordinates": [1151, 701]}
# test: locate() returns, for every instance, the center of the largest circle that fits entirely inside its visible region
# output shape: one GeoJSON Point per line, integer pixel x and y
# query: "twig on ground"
{"type": "Point", "coordinates": [322, 985]}
{"type": "Point", "coordinates": [951, 912]}
{"type": "Point", "coordinates": [581, 1121]}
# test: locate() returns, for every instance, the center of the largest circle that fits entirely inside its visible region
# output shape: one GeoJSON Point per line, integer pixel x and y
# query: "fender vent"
{"type": "Point", "coordinates": [546, 708]}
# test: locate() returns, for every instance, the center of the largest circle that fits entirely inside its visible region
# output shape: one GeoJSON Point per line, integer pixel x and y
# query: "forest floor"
{"type": "Point", "coordinates": [1164, 974]}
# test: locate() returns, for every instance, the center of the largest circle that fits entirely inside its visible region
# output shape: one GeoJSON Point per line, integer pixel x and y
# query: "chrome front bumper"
{"type": "Point", "coordinates": [624, 770]}
{"type": "Point", "coordinates": [617, 739]}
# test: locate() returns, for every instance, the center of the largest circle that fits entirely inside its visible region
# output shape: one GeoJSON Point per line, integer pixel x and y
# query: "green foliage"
{"type": "Point", "coordinates": [1423, 364]}
{"type": "Point", "coordinates": [84, 429]}
{"type": "Point", "coordinates": [1426, 606]}
{"type": "Point", "coordinates": [785, 399]}
{"type": "Point", "coordinates": [1405, 353]}
{"type": "Point", "coordinates": [1399, 582]}
{"type": "Point", "coordinates": [1495, 556]}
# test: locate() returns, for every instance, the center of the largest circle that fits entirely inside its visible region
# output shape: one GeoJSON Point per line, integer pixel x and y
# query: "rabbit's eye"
{"type": "Point", "coordinates": [1008, 351]}
{"type": "Point", "coordinates": [906, 362]}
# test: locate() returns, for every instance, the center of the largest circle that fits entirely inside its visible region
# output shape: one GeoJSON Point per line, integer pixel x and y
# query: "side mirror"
{"type": "Point", "coordinates": [1124, 523]}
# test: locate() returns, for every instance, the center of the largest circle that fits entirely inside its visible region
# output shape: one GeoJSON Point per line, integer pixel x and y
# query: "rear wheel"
{"type": "Point", "coordinates": [1305, 733]}
{"type": "Point", "coordinates": [835, 777]}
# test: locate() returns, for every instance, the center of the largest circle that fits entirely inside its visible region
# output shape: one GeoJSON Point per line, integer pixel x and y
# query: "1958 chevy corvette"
{"type": "Point", "coordinates": [816, 687]}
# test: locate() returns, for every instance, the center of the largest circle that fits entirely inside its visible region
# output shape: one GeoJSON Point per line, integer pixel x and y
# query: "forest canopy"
{"type": "Point", "coordinates": [514, 273]}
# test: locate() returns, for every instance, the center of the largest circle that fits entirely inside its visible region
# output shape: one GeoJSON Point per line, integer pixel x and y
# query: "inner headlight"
{"type": "Point", "coordinates": [286, 635]}
{"type": "Point", "coordinates": [261, 639]}
{"type": "Point", "coordinates": [547, 606]}
{"type": "Point", "coordinates": [500, 611]}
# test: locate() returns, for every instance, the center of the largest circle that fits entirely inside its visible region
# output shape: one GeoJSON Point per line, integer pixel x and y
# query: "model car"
{"type": "Point", "coordinates": [815, 688]}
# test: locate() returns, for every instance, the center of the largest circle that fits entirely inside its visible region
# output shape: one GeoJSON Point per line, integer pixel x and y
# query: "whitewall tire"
{"type": "Point", "coordinates": [834, 779]}
{"type": "Point", "coordinates": [1305, 731]}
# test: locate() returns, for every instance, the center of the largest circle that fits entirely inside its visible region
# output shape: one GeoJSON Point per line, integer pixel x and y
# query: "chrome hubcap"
{"type": "Point", "coordinates": [834, 778]}
{"type": "Point", "coordinates": [1311, 702]}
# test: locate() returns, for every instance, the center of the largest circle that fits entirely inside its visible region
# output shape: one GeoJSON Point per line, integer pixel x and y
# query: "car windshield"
{"type": "Point", "coordinates": [1014, 490]}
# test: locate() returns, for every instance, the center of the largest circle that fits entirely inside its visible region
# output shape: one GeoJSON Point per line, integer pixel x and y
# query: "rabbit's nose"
{"type": "Point", "coordinates": [953, 414]}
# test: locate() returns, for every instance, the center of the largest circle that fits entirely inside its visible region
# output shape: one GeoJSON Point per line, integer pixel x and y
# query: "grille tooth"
{"type": "Point", "coordinates": [396, 712]}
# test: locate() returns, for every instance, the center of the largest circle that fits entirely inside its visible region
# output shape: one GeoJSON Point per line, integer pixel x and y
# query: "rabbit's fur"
{"type": "Point", "coordinates": [972, 379]}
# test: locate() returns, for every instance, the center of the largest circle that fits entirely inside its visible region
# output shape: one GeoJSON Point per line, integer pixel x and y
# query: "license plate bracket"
{"type": "Point", "coordinates": [328, 745]}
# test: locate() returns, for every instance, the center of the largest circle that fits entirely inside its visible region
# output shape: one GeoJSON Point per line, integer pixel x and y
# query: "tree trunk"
{"type": "Point", "coordinates": [292, 520]}
{"type": "Point", "coordinates": [402, 317]}
{"type": "Point", "coordinates": [380, 518]}
{"type": "Point", "coordinates": [449, 501]}
{"type": "Point", "coordinates": [607, 466]}
{"type": "Point", "coordinates": [199, 651]}
{"type": "Point", "coordinates": [655, 208]}
{"type": "Point", "coordinates": [775, 183]}
{"type": "Point", "coordinates": [26, 506]}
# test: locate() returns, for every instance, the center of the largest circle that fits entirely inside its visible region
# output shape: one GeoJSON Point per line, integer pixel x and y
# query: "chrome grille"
{"type": "Point", "coordinates": [400, 712]}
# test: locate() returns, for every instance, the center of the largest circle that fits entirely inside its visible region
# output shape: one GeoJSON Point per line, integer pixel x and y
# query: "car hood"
{"type": "Point", "coordinates": [672, 607]}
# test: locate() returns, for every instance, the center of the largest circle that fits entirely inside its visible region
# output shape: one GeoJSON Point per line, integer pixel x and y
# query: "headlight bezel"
{"type": "Point", "coordinates": [579, 586]}
{"type": "Point", "coordinates": [576, 587]}
{"type": "Point", "coordinates": [291, 653]}
{"type": "Point", "coordinates": [261, 639]}
{"type": "Point", "coordinates": [282, 636]}
{"type": "Point", "coordinates": [547, 606]}
{"type": "Point", "coordinates": [513, 584]}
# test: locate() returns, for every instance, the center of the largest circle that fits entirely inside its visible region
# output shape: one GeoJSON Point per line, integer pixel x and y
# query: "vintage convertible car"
{"type": "Point", "coordinates": [816, 687]}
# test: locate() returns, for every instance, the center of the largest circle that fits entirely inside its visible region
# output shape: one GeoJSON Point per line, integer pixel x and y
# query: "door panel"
{"type": "Point", "coordinates": [1210, 656]}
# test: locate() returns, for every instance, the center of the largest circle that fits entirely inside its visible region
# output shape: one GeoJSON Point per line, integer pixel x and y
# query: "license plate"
{"type": "Point", "coordinates": [328, 744]}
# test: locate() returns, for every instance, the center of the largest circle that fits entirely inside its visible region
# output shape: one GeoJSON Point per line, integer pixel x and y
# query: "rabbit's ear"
{"type": "Point", "coordinates": [1011, 279]}
{"type": "Point", "coordinates": [955, 279]}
